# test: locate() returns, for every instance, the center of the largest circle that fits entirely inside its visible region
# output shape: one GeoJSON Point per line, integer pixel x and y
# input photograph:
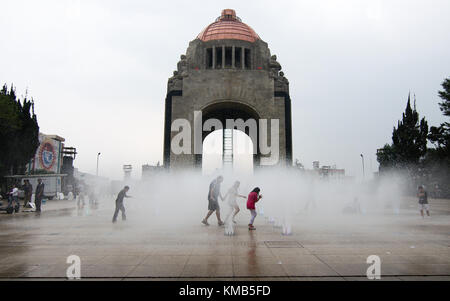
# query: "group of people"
{"type": "Point", "coordinates": [213, 202]}
{"type": "Point", "coordinates": [231, 197]}
{"type": "Point", "coordinates": [13, 194]}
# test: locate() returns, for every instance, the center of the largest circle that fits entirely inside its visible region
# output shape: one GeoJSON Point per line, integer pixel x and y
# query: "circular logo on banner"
{"type": "Point", "coordinates": [47, 155]}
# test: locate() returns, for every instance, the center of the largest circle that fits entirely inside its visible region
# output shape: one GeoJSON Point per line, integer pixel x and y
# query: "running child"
{"type": "Point", "coordinates": [231, 196]}
{"type": "Point", "coordinates": [423, 200]}
{"type": "Point", "coordinates": [253, 197]}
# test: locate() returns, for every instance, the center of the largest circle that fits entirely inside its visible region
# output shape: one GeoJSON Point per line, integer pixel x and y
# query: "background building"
{"type": "Point", "coordinates": [48, 157]}
{"type": "Point", "coordinates": [151, 171]}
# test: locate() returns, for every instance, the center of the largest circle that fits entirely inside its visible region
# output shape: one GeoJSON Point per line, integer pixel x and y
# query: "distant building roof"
{"type": "Point", "coordinates": [55, 137]}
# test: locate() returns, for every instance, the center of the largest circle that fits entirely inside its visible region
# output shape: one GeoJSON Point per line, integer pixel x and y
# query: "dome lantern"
{"type": "Point", "coordinates": [228, 27]}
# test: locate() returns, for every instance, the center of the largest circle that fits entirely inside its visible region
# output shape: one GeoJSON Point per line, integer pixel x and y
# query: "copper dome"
{"type": "Point", "coordinates": [228, 27]}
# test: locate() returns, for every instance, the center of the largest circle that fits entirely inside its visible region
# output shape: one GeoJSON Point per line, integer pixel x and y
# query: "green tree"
{"type": "Point", "coordinates": [19, 132]}
{"type": "Point", "coordinates": [445, 95]}
{"type": "Point", "coordinates": [409, 141]}
{"type": "Point", "coordinates": [440, 136]}
{"type": "Point", "coordinates": [437, 161]}
{"type": "Point", "coordinates": [387, 157]}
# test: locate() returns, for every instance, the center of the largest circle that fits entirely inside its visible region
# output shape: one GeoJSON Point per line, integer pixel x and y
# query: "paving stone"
{"type": "Point", "coordinates": [33, 247]}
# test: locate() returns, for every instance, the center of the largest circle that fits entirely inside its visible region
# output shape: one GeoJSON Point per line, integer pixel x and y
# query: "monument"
{"type": "Point", "coordinates": [228, 72]}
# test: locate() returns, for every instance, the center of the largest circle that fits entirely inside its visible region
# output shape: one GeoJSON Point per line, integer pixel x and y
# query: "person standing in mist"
{"type": "Point", "coordinates": [231, 196]}
{"type": "Point", "coordinates": [213, 200]}
{"type": "Point", "coordinates": [39, 195]}
{"type": "Point", "coordinates": [119, 204]}
{"type": "Point", "coordinates": [28, 191]}
{"type": "Point", "coordinates": [423, 200]}
{"type": "Point", "coordinates": [253, 197]}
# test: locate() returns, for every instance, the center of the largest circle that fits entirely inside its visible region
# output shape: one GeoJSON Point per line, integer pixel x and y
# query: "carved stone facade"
{"type": "Point", "coordinates": [232, 77]}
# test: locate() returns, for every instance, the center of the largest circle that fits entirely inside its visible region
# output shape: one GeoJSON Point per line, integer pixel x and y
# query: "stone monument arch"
{"type": "Point", "coordinates": [228, 73]}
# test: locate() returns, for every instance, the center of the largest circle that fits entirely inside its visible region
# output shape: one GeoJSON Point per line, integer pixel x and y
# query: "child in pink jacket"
{"type": "Point", "coordinates": [253, 197]}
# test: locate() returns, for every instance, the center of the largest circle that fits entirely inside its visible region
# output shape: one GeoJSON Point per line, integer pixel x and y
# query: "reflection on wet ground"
{"type": "Point", "coordinates": [37, 246]}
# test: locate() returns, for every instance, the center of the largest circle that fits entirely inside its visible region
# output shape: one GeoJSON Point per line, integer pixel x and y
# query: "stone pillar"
{"type": "Point", "coordinates": [214, 57]}
{"type": "Point", "coordinates": [243, 58]}
{"type": "Point", "coordinates": [232, 57]}
{"type": "Point", "coordinates": [223, 57]}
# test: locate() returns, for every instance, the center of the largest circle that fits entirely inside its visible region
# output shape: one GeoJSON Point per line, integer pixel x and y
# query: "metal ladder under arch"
{"type": "Point", "coordinates": [227, 155]}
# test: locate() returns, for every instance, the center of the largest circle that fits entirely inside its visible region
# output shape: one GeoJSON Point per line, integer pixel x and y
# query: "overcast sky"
{"type": "Point", "coordinates": [98, 70]}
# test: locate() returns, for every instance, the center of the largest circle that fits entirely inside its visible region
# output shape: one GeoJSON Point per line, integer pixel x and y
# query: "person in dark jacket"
{"type": "Point", "coordinates": [39, 195]}
{"type": "Point", "coordinates": [28, 191]}
{"type": "Point", "coordinates": [119, 204]}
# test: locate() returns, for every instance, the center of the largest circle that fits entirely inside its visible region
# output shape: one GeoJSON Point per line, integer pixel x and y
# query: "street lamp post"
{"type": "Point", "coordinates": [362, 159]}
{"type": "Point", "coordinates": [98, 155]}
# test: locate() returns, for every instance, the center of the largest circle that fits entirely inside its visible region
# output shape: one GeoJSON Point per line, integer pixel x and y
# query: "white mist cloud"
{"type": "Point", "coordinates": [98, 70]}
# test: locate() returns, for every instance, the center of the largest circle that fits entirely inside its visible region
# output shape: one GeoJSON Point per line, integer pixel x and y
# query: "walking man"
{"type": "Point", "coordinates": [119, 204]}
{"type": "Point", "coordinates": [213, 200]}
{"type": "Point", "coordinates": [39, 195]}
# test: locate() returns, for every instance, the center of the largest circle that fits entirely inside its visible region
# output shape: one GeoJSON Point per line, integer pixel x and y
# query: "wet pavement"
{"type": "Point", "coordinates": [410, 248]}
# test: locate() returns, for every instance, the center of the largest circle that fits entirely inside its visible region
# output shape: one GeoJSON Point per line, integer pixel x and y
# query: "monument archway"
{"type": "Point", "coordinates": [228, 73]}
{"type": "Point", "coordinates": [232, 111]}
{"type": "Point", "coordinates": [216, 160]}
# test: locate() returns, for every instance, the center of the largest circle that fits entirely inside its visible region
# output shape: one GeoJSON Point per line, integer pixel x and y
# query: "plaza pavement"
{"type": "Point", "coordinates": [48, 206]}
{"type": "Point", "coordinates": [35, 247]}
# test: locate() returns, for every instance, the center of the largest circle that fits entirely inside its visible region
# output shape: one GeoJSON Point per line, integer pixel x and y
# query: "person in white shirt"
{"type": "Point", "coordinates": [231, 196]}
{"type": "Point", "coordinates": [14, 196]}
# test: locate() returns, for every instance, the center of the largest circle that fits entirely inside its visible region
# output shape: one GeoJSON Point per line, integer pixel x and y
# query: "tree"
{"type": "Point", "coordinates": [445, 95]}
{"type": "Point", "coordinates": [408, 148]}
{"type": "Point", "coordinates": [409, 142]}
{"type": "Point", "coordinates": [440, 136]}
{"type": "Point", "coordinates": [409, 139]}
{"type": "Point", "coordinates": [437, 160]}
{"type": "Point", "coordinates": [387, 158]}
{"type": "Point", "coordinates": [19, 132]}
